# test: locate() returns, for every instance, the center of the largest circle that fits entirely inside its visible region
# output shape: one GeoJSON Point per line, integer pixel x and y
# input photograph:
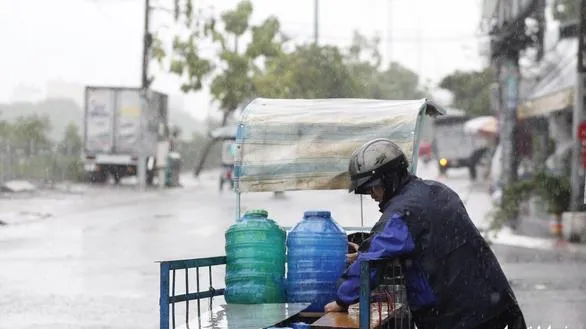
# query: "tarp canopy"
{"type": "Point", "coordinates": [303, 144]}
{"type": "Point", "coordinates": [555, 90]}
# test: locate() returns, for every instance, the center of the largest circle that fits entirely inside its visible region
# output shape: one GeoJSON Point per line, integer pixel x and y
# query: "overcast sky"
{"type": "Point", "coordinates": [99, 41]}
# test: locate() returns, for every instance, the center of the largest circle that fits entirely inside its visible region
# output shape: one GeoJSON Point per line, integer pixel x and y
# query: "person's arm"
{"type": "Point", "coordinates": [394, 240]}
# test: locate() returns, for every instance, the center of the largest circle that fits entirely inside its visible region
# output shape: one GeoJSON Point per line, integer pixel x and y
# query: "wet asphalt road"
{"type": "Point", "coordinates": [89, 261]}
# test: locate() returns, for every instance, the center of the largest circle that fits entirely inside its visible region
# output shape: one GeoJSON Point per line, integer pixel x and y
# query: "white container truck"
{"type": "Point", "coordinates": [118, 122]}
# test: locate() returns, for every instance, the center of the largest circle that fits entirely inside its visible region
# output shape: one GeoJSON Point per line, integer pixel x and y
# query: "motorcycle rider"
{"type": "Point", "coordinates": [453, 279]}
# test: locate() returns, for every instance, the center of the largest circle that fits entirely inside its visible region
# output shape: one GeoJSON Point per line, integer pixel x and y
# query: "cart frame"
{"type": "Point", "coordinates": [168, 297]}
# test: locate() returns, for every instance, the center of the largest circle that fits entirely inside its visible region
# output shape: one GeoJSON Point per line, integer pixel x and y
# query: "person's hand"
{"type": "Point", "coordinates": [351, 257]}
{"type": "Point", "coordinates": [333, 307]}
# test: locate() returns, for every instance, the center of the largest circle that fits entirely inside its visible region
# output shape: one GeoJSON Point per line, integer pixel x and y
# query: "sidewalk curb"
{"type": "Point", "coordinates": [506, 236]}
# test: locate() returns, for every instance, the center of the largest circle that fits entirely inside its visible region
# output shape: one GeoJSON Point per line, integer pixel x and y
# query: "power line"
{"type": "Point", "coordinates": [464, 37]}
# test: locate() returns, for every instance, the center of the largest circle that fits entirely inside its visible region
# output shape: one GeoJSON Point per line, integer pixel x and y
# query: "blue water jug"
{"type": "Point", "coordinates": [255, 260]}
{"type": "Point", "coordinates": [316, 257]}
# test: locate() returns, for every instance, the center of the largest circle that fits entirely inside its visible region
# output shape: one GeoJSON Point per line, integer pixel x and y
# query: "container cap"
{"type": "Point", "coordinates": [317, 213]}
{"type": "Point", "coordinates": [257, 213]}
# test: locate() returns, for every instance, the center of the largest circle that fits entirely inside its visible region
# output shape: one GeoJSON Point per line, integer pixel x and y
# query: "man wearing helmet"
{"type": "Point", "coordinates": [453, 279]}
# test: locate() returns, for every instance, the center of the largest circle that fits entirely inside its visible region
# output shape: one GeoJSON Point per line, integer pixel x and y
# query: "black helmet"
{"type": "Point", "coordinates": [379, 162]}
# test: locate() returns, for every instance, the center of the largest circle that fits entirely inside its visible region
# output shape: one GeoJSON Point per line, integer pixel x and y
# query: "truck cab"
{"type": "Point", "coordinates": [453, 147]}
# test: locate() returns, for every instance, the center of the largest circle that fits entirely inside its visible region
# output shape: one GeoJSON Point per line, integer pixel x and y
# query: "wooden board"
{"type": "Point", "coordinates": [249, 316]}
{"type": "Point", "coordinates": [350, 320]}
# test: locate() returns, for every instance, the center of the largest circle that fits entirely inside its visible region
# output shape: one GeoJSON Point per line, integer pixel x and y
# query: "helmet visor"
{"type": "Point", "coordinates": [364, 185]}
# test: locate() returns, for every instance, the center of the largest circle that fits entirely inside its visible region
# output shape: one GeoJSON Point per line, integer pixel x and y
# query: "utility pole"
{"type": "Point", "coordinates": [316, 21]}
{"type": "Point", "coordinates": [578, 114]}
{"type": "Point", "coordinates": [509, 38]}
{"type": "Point", "coordinates": [147, 40]}
{"type": "Point", "coordinates": [508, 41]}
{"type": "Point", "coordinates": [389, 31]}
{"type": "Point", "coordinates": [509, 90]}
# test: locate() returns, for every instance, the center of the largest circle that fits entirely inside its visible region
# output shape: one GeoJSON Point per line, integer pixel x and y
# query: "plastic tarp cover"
{"type": "Point", "coordinates": [301, 144]}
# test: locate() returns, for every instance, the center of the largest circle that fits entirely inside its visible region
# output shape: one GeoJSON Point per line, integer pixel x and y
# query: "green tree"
{"type": "Point", "coordinates": [325, 72]}
{"type": "Point", "coordinates": [71, 143]}
{"type": "Point", "coordinates": [31, 134]}
{"type": "Point", "coordinates": [5, 130]}
{"type": "Point", "coordinates": [308, 72]}
{"type": "Point", "coordinates": [364, 60]}
{"type": "Point", "coordinates": [231, 82]}
{"type": "Point", "coordinates": [471, 90]}
{"type": "Point", "coordinates": [185, 60]}
{"type": "Point", "coordinates": [396, 82]}
{"type": "Point", "coordinates": [566, 10]}
{"type": "Point", "coordinates": [263, 69]}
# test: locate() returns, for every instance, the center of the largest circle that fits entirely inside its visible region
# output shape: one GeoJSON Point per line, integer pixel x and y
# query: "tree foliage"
{"type": "Point", "coordinates": [262, 67]}
{"type": "Point", "coordinates": [27, 152]}
{"type": "Point", "coordinates": [308, 72]}
{"type": "Point", "coordinates": [364, 62]}
{"type": "Point", "coordinates": [231, 78]}
{"type": "Point", "coordinates": [471, 90]}
{"type": "Point", "coordinates": [71, 144]}
{"type": "Point", "coordinates": [29, 134]}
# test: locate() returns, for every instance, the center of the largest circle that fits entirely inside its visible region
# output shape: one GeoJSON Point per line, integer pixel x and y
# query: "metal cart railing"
{"type": "Point", "coordinates": [168, 294]}
{"type": "Point", "coordinates": [393, 300]}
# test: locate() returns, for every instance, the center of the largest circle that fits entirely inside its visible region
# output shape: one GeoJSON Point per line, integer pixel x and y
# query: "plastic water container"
{"type": "Point", "coordinates": [316, 254]}
{"type": "Point", "coordinates": [255, 265]}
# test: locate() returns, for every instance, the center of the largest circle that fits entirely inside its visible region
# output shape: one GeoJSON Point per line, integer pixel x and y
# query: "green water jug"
{"type": "Point", "coordinates": [255, 267]}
